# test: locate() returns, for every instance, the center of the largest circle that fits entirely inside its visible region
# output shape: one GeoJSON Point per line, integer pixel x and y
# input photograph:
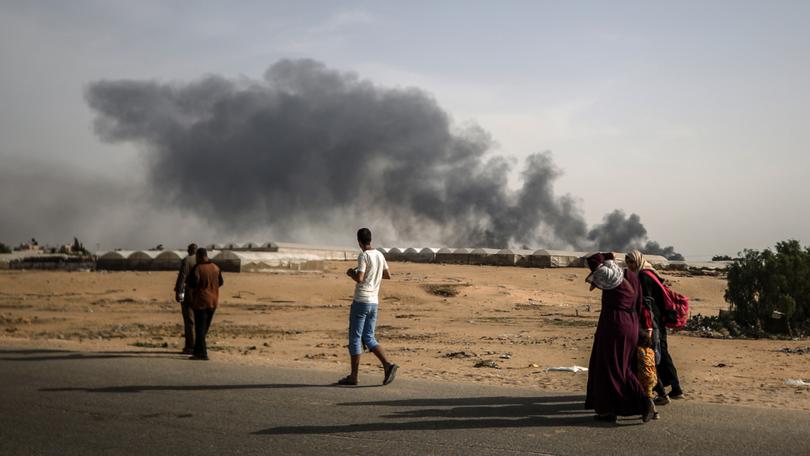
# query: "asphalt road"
{"type": "Point", "coordinates": [71, 403]}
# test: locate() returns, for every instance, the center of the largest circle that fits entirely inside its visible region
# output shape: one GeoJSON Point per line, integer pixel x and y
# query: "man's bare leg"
{"type": "Point", "coordinates": [355, 367]}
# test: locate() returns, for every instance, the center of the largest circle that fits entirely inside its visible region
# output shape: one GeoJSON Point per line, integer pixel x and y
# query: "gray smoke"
{"type": "Point", "coordinates": [621, 233]}
{"type": "Point", "coordinates": [308, 146]}
{"type": "Point", "coordinates": [55, 201]}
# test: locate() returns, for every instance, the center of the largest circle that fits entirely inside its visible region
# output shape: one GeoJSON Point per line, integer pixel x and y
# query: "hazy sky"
{"type": "Point", "coordinates": [691, 114]}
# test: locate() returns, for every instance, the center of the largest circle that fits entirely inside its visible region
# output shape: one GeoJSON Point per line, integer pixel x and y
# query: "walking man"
{"type": "Point", "coordinates": [371, 269]}
{"type": "Point", "coordinates": [182, 296]}
{"type": "Point", "coordinates": [204, 282]}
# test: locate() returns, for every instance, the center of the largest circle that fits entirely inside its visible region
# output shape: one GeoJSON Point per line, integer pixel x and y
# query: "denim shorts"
{"type": "Point", "coordinates": [362, 321]}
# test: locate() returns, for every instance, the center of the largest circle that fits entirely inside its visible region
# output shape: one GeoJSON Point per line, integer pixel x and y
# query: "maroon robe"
{"type": "Point", "coordinates": [612, 386]}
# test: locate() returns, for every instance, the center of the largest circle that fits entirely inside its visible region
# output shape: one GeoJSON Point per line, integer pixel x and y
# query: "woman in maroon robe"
{"type": "Point", "coordinates": [613, 389]}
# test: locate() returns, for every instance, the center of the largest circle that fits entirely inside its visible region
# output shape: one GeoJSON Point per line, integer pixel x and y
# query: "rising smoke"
{"type": "Point", "coordinates": [309, 146]}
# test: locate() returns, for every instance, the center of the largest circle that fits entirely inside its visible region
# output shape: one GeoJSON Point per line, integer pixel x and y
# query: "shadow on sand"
{"type": "Point", "coordinates": [143, 388]}
{"type": "Point", "coordinates": [60, 355]}
{"type": "Point", "coordinates": [465, 413]}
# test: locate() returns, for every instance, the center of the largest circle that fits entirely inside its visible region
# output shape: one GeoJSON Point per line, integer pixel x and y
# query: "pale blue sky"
{"type": "Point", "coordinates": [691, 114]}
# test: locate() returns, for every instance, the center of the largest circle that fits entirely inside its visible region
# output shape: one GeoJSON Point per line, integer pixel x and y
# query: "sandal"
{"type": "Point", "coordinates": [390, 373]}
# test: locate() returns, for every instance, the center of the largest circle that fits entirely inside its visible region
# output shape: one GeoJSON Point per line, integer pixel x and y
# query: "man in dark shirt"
{"type": "Point", "coordinates": [182, 296]}
{"type": "Point", "coordinates": [204, 282]}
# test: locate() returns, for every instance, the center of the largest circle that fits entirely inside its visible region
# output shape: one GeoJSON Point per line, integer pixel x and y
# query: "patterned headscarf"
{"type": "Point", "coordinates": [606, 275]}
{"type": "Point", "coordinates": [638, 258]}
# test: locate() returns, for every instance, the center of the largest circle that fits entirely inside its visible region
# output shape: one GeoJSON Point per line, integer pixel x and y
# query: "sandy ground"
{"type": "Point", "coordinates": [523, 320]}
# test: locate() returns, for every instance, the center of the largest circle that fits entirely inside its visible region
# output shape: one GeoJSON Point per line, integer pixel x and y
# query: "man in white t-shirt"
{"type": "Point", "coordinates": [371, 269]}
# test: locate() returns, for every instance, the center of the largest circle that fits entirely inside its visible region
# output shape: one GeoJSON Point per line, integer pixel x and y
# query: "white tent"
{"type": "Point", "coordinates": [427, 255]}
{"type": "Point", "coordinates": [394, 254]}
{"type": "Point", "coordinates": [141, 260]}
{"type": "Point", "coordinates": [482, 256]}
{"type": "Point", "coordinates": [115, 260]}
{"type": "Point", "coordinates": [443, 255]}
{"type": "Point", "coordinates": [168, 260]}
{"type": "Point", "coordinates": [510, 257]}
{"type": "Point", "coordinates": [245, 261]}
{"type": "Point", "coordinates": [557, 259]}
{"type": "Point", "coordinates": [410, 254]}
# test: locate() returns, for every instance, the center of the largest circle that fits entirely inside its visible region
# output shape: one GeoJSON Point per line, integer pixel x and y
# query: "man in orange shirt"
{"type": "Point", "coordinates": [204, 282]}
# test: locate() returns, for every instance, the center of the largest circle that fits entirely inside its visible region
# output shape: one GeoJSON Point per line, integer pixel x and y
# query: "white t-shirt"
{"type": "Point", "coordinates": [373, 263]}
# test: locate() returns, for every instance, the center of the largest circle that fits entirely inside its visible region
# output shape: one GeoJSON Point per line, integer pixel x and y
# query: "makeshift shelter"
{"type": "Point", "coordinates": [426, 255]}
{"type": "Point", "coordinates": [168, 260]}
{"type": "Point", "coordinates": [141, 260]}
{"type": "Point", "coordinates": [325, 252]}
{"type": "Point", "coordinates": [459, 256]}
{"type": "Point", "coordinates": [510, 257]}
{"type": "Point", "coordinates": [115, 260]}
{"type": "Point", "coordinates": [443, 255]}
{"type": "Point", "coordinates": [410, 254]}
{"type": "Point", "coordinates": [244, 261]}
{"type": "Point", "coordinates": [557, 259]}
{"type": "Point", "coordinates": [482, 256]}
{"type": "Point", "coordinates": [270, 247]}
{"type": "Point", "coordinates": [394, 254]}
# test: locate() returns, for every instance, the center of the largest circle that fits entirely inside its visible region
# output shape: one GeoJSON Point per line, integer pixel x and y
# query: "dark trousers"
{"type": "Point", "coordinates": [188, 324]}
{"type": "Point", "coordinates": [202, 320]}
{"type": "Point", "coordinates": [667, 374]}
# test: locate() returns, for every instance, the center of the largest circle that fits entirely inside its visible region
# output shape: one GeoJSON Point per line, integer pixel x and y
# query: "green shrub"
{"type": "Point", "coordinates": [771, 290]}
{"type": "Point", "coordinates": [4, 248]}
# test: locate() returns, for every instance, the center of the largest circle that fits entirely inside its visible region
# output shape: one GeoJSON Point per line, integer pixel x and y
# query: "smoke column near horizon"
{"type": "Point", "coordinates": [311, 146]}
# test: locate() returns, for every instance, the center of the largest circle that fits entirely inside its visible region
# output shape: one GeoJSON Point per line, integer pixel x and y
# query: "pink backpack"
{"type": "Point", "coordinates": [676, 305]}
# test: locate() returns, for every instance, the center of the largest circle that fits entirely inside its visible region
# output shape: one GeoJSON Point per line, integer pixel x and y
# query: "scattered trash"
{"type": "Point", "coordinates": [460, 354]}
{"type": "Point", "coordinates": [796, 350]}
{"type": "Point", "coordinates": [568, 369]}
{"type": "Point", "coordinates": [796, 382]}
{"type": "Point", "coordinates": [721, 365]}
{"type": "Point", "coordinates": [506, 356]}
{"type": "Point", "coordinates": [487, 363]}
{"type": "Point", "coordinates": [534, 365]}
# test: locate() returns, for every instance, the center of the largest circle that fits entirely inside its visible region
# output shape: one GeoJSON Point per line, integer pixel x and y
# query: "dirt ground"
{"type": "Point", "coordinates": [519, 321]}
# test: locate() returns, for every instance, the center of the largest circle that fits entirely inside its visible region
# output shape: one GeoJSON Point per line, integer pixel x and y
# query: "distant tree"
{"type": "Point", "coordinates": [764, 285]}
{"type": "Point", "coordinates": [78, 247]}
{"type": "Point", "coordinates": [4, 248]}
{"type": "Point", "coordinates": [721, 258]}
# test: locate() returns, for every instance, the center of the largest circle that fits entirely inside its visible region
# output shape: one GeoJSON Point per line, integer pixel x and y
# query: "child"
{"type": "Point", "coordinates": [371, 269]}
{"type": "Point", "coordinates": [646, 366]}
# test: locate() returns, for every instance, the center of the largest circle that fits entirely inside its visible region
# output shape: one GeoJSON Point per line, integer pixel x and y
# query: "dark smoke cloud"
{"type": "Point", "coordinates": [310, 148]}
{"type": "Point", "coordinates": [621, 233]}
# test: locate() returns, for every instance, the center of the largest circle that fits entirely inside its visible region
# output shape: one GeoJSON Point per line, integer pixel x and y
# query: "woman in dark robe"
{"type": "Point", "coordinates": [613, 388]}
{"type": "Point", "coordinates": [654, 295]}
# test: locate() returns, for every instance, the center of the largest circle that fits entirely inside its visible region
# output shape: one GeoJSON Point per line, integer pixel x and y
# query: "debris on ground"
{"type": "Point", "coordinates": [568, 369]}
{"type": "Point", "coordinates": [487, 363]}
{"type": "Point", "coordinates": [460, 354]}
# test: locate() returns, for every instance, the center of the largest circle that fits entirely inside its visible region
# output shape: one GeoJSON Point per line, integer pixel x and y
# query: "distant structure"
{"type": "Point", "coordinates": [285, 256]}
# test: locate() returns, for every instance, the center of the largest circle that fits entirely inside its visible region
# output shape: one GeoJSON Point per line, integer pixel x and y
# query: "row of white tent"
{"type": "Point", "coordinates": [495, 257]}
{"type": "Point", "coordinates": [227, 260]}
{"type": "Point", "coordinates": [301, 256]}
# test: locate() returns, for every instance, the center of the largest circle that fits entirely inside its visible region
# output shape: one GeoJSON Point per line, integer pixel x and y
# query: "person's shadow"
{"type": "Point", "coordinates": [63, 355]}
{"type": "Point", "coordinates": [462, 413]}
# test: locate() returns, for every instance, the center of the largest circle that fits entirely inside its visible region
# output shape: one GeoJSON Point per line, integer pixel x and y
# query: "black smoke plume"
{"type": "Point", "coordinates": [308, 146]}
{"type": "Point", "coordinates": [621, 233]}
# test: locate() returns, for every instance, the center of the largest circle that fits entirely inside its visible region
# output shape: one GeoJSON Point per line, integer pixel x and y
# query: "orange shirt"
{"type": "Point", "coordinates": [204, 281]}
